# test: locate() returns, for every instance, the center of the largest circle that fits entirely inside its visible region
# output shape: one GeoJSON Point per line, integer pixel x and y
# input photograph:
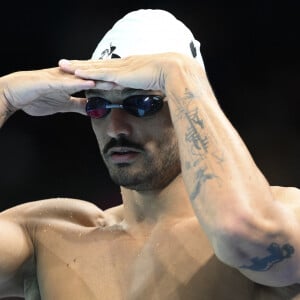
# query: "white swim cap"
{"type": "Point", "coordinates": [147, 31]}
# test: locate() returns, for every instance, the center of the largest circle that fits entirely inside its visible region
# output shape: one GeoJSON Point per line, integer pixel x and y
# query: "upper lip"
{"type": "Point", "coordinates": [122, 149]}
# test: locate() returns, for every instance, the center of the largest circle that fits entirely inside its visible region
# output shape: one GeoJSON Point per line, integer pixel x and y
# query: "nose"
{"type": "Point", "coordinates": [118, 123]}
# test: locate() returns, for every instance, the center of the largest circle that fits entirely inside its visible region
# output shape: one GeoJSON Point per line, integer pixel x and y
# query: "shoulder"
{"type": "Point", "coordinates": [73, 210]}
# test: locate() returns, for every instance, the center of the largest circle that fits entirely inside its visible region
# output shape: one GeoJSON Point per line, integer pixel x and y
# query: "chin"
{"type": "Point", "coordinates": [144, 182]}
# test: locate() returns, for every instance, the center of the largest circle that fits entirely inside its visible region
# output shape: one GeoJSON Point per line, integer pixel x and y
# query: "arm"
{"type": "Point", "coordinates": [16, 252]}
{"type": "Point", "coordinates": [249, 228]}
{"type": "Point", "coordinates": [40, 92]}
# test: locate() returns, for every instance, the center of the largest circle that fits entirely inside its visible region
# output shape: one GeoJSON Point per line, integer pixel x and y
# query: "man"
{"type": "Point", "coordinates": [198, 219]}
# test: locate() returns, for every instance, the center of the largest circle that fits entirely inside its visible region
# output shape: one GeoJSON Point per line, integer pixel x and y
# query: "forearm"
{"type": "Point", "coordinates": [230, 196]}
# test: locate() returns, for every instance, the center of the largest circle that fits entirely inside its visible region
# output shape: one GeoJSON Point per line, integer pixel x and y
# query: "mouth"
{"type": "Point", "coordinates": [123, 155]}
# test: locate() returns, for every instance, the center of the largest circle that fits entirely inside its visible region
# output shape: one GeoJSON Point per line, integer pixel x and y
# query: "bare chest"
{"type": "Point", "coordinates": [170, 264]}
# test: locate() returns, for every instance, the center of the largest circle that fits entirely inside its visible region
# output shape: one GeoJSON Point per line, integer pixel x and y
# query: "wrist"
{"type": "Point", "coordinates": [182, 70]}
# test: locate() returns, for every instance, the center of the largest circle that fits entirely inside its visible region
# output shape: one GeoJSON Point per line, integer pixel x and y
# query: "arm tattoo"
{"type": "Point", "coordinates": [188, 94]}
{"type": "Point", "coordinates": [201, 176]}
{"type": "Point", "coordinates": [198, 143]}
{"type": "Point", "coordinates": [277, 254]}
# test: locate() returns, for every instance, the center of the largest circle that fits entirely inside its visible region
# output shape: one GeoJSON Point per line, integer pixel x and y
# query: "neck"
{"type": "Point", "coordinates": [145, 209]}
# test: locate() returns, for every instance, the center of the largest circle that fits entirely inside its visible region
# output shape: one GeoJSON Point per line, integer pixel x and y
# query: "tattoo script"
{"type": "Point", "coordinates": [198, 142]}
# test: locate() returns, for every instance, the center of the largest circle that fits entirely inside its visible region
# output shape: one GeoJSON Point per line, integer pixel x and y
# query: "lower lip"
{"type": "Point", "coordinates": [123, 158]}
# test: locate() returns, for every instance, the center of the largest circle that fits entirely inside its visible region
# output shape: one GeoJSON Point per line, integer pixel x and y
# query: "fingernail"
{"type": "Point", "coordinates": [65, 61]}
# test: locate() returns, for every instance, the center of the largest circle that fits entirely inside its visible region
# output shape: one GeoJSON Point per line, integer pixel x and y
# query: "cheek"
{"type": "Point", "coordinates": [166, 128]}
{"type": "Point", "coordinates": [161, 130]}
{"type": "Point", "coordinates": [99, 132]}
{"type": "Point", "coordinates": [163, 138]}
{"type": "Point", "coordinates": [166, 117]}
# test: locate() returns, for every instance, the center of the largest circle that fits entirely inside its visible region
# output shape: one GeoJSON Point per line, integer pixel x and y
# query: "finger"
{"type": "Point", "coordinates": [77, 105]}
{"type": "Point", "coordinates": [66, 66]}
{"type": "Point", "coordinates": [68, 63]}
{"type": "Point", "coordinates": [106, 85]}
{"type": "Point", "coordinates": [70, 66]}
{"type": "Point", "coordinates": [118, 79]}
{"type": "Point", "coordinates": [76, 85]}
{"type": "Point", "coordinates": [103, 74]}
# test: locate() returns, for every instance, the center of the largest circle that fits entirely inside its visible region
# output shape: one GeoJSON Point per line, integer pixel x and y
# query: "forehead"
{"type": "Point", "coordinates": [120, 94]}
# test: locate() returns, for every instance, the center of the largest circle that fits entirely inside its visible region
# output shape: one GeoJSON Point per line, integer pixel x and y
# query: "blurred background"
{"type": "Point", "coordinates": [251, 53]}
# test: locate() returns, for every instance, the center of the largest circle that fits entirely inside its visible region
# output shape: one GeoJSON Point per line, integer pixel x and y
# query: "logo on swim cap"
{"type": "Point", "coordinates": [108, 53]}
{"type": "Point", "coordinates": [147, 31]}
{"type": "Point", "coordinates": [193, 49]}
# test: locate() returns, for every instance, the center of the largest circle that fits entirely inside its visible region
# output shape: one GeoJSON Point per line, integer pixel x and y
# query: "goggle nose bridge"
{"type": "Point", "coordinates": [113, 105]}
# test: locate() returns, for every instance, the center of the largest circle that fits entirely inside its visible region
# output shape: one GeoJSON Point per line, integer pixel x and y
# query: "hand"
{"type": "Point", "coordinates": [147, 72]}
{"type": "Point", "coordinates": [43, 92]}
{"type": "Point", "coordinates": [161, 71]}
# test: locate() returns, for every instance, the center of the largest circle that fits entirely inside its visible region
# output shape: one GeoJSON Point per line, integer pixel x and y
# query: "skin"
{"type": "Point", "coordinates": [192, 235]}
{"type": "Point", "coordinates": [158, 160]}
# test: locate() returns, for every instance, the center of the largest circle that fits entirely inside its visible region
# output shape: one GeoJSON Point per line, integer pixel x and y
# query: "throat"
{"type": "Point", "coordinates": [151, 207]}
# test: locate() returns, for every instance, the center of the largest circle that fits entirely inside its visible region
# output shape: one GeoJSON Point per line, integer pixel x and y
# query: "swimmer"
{"type": "Point", "coordinates": [198, 220]}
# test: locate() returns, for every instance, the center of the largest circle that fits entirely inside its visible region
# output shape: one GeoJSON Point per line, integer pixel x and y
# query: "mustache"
{"type": "Point", "coordinates": [121, 142]}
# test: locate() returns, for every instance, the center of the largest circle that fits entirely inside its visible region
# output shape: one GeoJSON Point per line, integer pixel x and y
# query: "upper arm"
{"type": "Point", "coordinates": [275, 261]}
{"type": "Point", "coordinates": [19, 227]}
{"type": "Point", "coordinates": [15, 249]}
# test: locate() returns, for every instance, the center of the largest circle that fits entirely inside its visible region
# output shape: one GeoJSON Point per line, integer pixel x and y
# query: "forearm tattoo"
{"type": "Point", "coordinates": [277, 254]}
{"type": "Point", "coordinates": [197, 141]}
{"type": "Point", "coordinates": [200, 146]}
{"type": "Point", "coordinates": [204, 156]}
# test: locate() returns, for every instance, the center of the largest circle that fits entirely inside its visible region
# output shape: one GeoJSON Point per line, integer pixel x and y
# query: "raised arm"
{"type": "Point", "coordinates": [40, 92]}
{"type": "Point", "coordinates": [248, 224]}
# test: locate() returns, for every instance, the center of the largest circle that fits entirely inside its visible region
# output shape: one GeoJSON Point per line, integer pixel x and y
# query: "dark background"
{"type": "Point", "coordinates": [251, 53]}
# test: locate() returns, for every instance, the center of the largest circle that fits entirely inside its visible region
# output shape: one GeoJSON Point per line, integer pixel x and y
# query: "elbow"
{"type": "Point", "coordinates": [228, 238]}
{"type": "Point", "coordinates": [242, 236]}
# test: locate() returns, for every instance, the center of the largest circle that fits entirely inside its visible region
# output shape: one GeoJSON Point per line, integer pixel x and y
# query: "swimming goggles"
{"type": "Point", "coordinates": [137, 105]}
